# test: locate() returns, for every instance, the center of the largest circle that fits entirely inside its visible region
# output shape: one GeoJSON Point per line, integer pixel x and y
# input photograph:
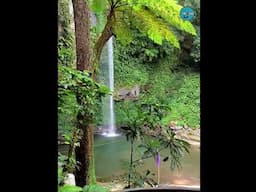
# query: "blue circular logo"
{"type": "Point", "coordinates": [187, 13]}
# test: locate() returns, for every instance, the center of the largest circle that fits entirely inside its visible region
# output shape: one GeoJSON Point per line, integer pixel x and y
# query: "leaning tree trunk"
{"type": "Point", "coordinates": [84, 153]}
{"type": "Point", "coordinates": [101, 41]}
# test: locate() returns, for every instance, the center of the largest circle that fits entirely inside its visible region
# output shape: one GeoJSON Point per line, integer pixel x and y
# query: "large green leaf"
{"type": "Point", "coordinates": [155, 28]}
{"type": "Point", "coordinates": [95, 188]}
{"type": "Point", "coordinates": [69, 188]}
{"type": "Point", "coordinates": [98, 6]}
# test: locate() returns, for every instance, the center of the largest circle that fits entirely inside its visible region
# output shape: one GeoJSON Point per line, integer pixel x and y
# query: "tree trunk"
{"type": "Point", "coordinates": [131, 163]}
{"type": "Point", "coordinates": [85, 173]}
{"type": "Point", "coordinates": [84, 153]}
{"type": "Point", "coordinates": [104, 37]}
{"type": "Point", "coordinates": [82, 34]}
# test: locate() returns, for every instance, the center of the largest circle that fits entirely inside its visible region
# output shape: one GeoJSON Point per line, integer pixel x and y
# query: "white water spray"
{"type": "Point", "coordinates": [111, 128]}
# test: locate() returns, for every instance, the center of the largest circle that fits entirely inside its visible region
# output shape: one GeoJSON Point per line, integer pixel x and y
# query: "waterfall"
{"type": "Point", "coordinates": [112, 127]}
{"type": "Point", "coordinates": [108, 101]}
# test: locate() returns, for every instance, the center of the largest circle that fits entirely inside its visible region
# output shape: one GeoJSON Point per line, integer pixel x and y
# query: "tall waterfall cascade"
{"type": "Point", "coordinates": [107, 64]}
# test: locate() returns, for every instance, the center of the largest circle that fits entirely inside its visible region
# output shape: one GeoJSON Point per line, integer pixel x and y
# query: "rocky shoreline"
{"type": "Point", "coordinates": [120, 186]}
{"type": "Point", "coordinates": [189, 135]}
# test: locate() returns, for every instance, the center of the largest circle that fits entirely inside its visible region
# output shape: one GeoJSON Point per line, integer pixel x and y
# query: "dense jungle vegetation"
{"type": "Point", "coordinates": [163, 63]}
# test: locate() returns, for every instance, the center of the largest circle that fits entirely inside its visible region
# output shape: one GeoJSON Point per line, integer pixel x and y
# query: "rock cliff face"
{"type": "Point", "coordinates": [189, 135]}
{"type": "Point", "coordinates": [128, 93]}
{"type": "Point", "coordinates": [185, 133]}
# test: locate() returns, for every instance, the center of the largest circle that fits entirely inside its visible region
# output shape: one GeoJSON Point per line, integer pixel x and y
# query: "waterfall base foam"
{"type": "Point", "coordinates": [110, 134]}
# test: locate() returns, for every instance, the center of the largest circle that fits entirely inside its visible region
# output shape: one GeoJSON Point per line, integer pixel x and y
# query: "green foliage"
{"type": "Point", "coordinates": [160, 78]}
{"type": "Point", "coordinates": [157, 137]}
{"type": "Point", "coordinates": [185, 104]}
{"type": "Point", "coordinates": [152, 112]}
{"type": "Point", "coordinates": [79, 83]}
{"type": "Point", "coordinates": [87, 188]}
{"type": "Point", "coordinates": [128, 75]}
{"type": "Point", "coordinates": [145, 125]}
{"type": "Point", "coordinates": [60, 175]}
{"type": "Point", "coordinates": [95, 188]}
{"type": "Point", "coordinates": [67, 106]}
{"type": "Point", "coordinates": [155, 19]}
{"type": "Point", "coordinates": [195, 53]}
{"type": "Point", "coordinates": [64, 19]}
{"type": "Point", "coordinates": [129, 115]}
{"type": "Point", "coordinates": [161, 139]}
{"type": "Point", "coordinates": [67, 111]}
{"type": "Point", "coordinates": [146, 116]}
{"type": "Point", "coordinates": [195, 50]}
{"type": "Point", "coordinates": [139, 178]}
{"type": "Point", "coordinates": [181, 92]}
{"type": "Point", "coordinates": [126, 65]}
{"type": "Point", "coordinates": [169, 10]}
{"type": "Point", "coordinates": [159, 20]}
{"type": "Point", "coordinates": [98, 6]}
{"type": "Point", "coordinates": [177, 148]}
{"type": "Point", "coordinates": [155, 29]}
{"type": "Point", "coordinates": [172, 86]}
{"type": "Point", "coordinates": [151, 147]}
{"type": "Point", "coordinates": [65, 165]}
{"type": "Point", "coordinates": [123, 32]}
{"type": "Point", "coordinates": [138, 63]}
{"type": "Point", "coordinates": [125, 112]}
{"type": "Point", "coordinates": [132, 61]}
{"type": "Point", "coordinates": [69, 188]}
{"type": "Point", "coordinates": [66, 51]}
{"type": "Point", "coordinates": [73, 85]}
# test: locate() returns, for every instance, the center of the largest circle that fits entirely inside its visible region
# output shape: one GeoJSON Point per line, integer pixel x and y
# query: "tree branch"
{"type": "Point", "coordinates": [116, 3]}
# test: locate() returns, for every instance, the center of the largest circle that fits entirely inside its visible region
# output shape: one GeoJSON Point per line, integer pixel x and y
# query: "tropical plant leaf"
{"type": "Point", "coordinates": [98, 6]}
{"type": "Point", "coordinates": [95, 188]}
{"type": "Point", "coordinates": [69, 188]}
{"type": "Point", "coordinates": [165, 159]}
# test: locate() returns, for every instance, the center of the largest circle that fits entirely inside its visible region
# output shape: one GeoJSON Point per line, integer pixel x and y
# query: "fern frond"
{"type": "Point", "coordinates": [97, 6]}
{"type": "Point", "coordinates": [122, 31]}
{"type": "Point", "coordinates": [169, 10]}
{"type": "Point", "coordinates": [155, 28]}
